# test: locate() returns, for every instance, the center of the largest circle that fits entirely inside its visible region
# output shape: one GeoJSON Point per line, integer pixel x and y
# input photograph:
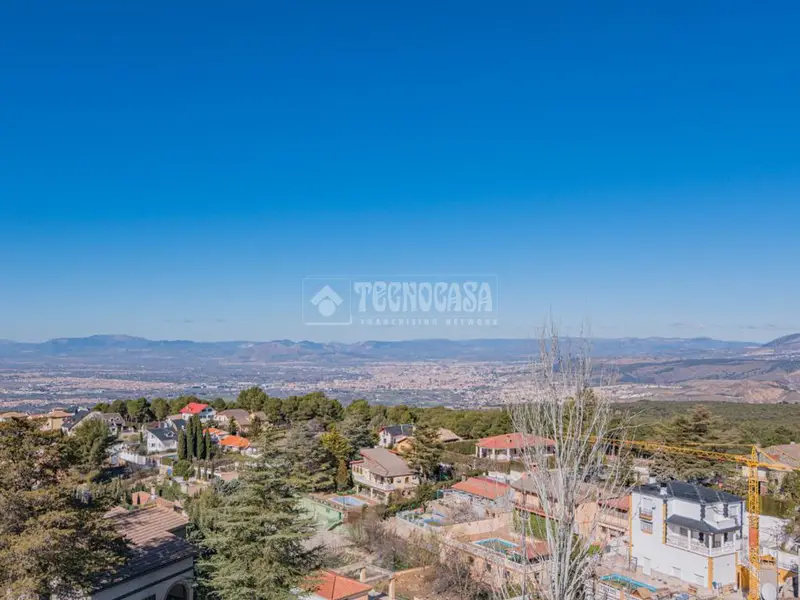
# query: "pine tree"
{"type": "Point", "coordinates": [258, 536]}
{"type": "Point", "coordinates": [182, 445]}
{"type": "Point", "coordinates": [426, 452]}
{"type": "Point", "coordinates": [697, 427]}
{"type": "Point", "coordinates": [233, 427]}
{"type": "Point", "coordinates": [312, 467]}
{"type": "Point", "coordinates": [335, 443]}
{"type": "Point", "coordinates": [255, 428]}
{"type": "Point", "coordinates": [358, 433]}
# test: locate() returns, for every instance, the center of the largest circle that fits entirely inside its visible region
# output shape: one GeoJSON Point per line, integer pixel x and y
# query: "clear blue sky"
{"type": "Point", "coordinates": [174, 169]}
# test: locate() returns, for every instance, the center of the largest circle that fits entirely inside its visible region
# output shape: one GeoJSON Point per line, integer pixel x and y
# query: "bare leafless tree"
{"type": "Point", "coordinates": [574, 472]}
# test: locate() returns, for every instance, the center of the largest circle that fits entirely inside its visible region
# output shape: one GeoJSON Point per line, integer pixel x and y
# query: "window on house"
{"type": "Point", "coordinates": [684, 531]}
{"type": "Point", "coordinates": [724, 537]}
{"type": "Point", "coordinates": [647, 526]}
{"type": "Point", "coordinates": [701, 536]}
{"type": "Point", "coordinates": [151, 597]}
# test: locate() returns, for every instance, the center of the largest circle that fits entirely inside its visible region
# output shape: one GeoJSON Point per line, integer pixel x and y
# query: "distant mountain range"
{"type": "Point", "coordinates": [124, 349]}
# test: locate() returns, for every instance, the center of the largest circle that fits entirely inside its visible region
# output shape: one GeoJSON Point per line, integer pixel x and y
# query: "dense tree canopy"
{"type": "Point", "coordinates": [92, 440]}
{"type": "Point", "coordinates": [426, 452]}
{"type": "Point", "coordinates": [54, 538]}
{"type": "Point", "coordinates": [257, 539]}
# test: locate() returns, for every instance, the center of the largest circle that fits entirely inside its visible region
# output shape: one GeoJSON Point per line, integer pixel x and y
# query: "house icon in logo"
{"type": "Point", "coordinates": [327, 301]}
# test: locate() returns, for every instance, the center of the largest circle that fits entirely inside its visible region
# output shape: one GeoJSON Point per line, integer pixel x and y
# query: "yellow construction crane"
{"type": "Point", "coordinates": [753, 462]}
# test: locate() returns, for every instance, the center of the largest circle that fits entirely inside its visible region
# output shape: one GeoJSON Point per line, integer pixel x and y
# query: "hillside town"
{"type": "Point", "coordinates": [411, 510]}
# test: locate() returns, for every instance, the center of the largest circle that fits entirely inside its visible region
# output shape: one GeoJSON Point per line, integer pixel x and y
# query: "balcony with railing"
{"type": "Point", "coordinates": [707, 547]}
{"type": "Point", "coordinates": [613, 519]}
{"type": "Point", "coordinates": [368, 481]}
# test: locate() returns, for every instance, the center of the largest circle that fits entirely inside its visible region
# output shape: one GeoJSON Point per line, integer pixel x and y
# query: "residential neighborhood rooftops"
{"type": "Point", "coordinates": [395, 430]}
{"type": "Point", "coordinates": [483, 487]}
{"type": "Point", "coordinates": [13, 415]}
{"type": "Point", "coordinates": [194, 408]}
{"type": "Point", "coordinates": [622, 504]}
{"type": "Point", "coordinates": [57, 414]}
{"type": "Point", "coordinates": [241, 416]}
{"type": "Point", "coordinates": [165, 434]}
{"type": "Point", "coordinates": [234, 441]}
{"type": "Point", "coordinates": [517, 441]}
{"type": "Point", "coordinates": [215, 431]}
{"type": "Point", "coordinates": [687, 491]}
{"type": "Point", "coordinates": [333, 586]}
{"type": "Point", "coordinates": [385, 463]}
{"type": "Point", "coordinates": [529, 485]}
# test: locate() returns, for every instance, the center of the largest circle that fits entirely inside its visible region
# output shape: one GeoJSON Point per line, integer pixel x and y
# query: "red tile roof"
{"type": "Point", "coordinates": [622, 504]}
{"type": "Point", "coordinates": [517, 441]}
{"type": "Point", "coordinates": [483, 487]}
{"type": "Point", "coordinates": [333, 586]}
{"type": "Point", "coordinates": [235, 441]}
{"type": "Point", "coordinates": [194, 408]}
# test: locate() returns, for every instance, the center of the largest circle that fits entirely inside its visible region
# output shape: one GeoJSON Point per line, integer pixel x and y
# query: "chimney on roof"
{"type": "Point", "coordinates": [153, 494]}
{"type": "Point", "coordinates": [362, 577]}
{"type": "Point", "coordinates": [663, 489]}
{"type": "Point", "coordinates": [651, 480]}
{"type": "Point", "coordinates": [391, 589]}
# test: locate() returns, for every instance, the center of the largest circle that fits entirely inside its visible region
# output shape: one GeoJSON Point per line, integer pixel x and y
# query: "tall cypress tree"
{"type": "Point", "coordinates": [258, 538]}
{"type": "Point", "coordinates": [201, 446]}
{"type": "Point", "coordinates": [209, 451]}
{"type": "Point", "coordinates": [181, 445]}
{"type": "Point", "coordinates": [197, 442]}
{"type": "Point", "coordinates": [190, 438]}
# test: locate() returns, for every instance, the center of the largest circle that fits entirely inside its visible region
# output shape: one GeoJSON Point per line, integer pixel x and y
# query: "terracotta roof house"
{"type": "Point", "coordinates": [235, 443]}
{"type": "Point", "coordinates": [332, 586]}
{"type": "Point", "coordinates": [404, 444]}
{"type": "Point", "coordinates": [12, 415]}
{"type": "Point", "coordinates": [486, 496]}
{"type": "Point", "coordinates": [508, 446]}
{"type": "Point", "coordinates": [162, 561]}
{"type": "Point", "coordinates": [381, 472]}
{"type": "Point", "coordinates": [483, 487]}
{"type": "Point", "coordinates": [204, 411]}
{"type": "Point", "coordinates": [216, 433]}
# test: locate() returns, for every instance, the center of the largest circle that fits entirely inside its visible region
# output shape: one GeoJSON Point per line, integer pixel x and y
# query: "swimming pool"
{"type": "Point", "coordinates": [627, 581]}
{"type": "Point", "coordinates": [498, 545]}
{"type": "Point", "coordinates": [348, 501]}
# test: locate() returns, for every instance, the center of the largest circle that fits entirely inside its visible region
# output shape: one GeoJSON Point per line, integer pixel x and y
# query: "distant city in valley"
{"type": "Point", "coordinates": [462, 374]}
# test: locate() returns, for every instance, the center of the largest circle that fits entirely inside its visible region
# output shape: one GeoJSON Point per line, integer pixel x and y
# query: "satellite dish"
{"type": "Point", "coordinates": [768, 591]}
